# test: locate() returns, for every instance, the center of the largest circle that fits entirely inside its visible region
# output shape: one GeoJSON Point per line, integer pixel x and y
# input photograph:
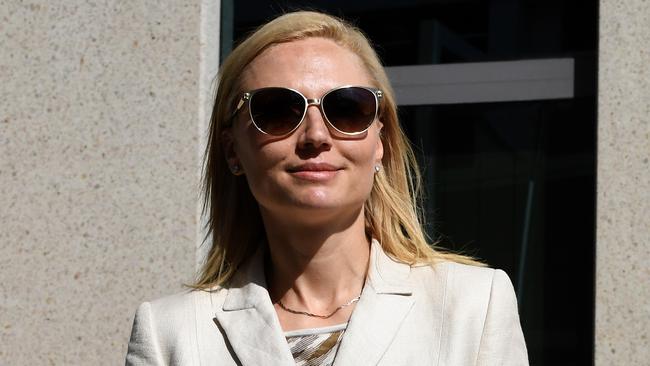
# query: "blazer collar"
{"type": "Point", "coordinates": [248, 319]}
{"type": "Point", "coordinates": [387, 276]}
{"type": "Point", "coordinates": [248, 287]}
{"type": "Point", "coordinates": [385, 302]}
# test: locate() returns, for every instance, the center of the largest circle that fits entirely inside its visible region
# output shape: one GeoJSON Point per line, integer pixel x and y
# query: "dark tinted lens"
{"type": "Point", "coordinates": [276, 111]}
{"type": "Point", "coordinates": [350, 109]}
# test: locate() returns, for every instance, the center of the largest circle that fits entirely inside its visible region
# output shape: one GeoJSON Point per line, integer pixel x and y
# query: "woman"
{"type": "Point", "coordinates": [317, 252]}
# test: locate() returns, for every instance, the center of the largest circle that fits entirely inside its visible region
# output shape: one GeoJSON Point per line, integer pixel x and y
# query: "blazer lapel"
{"type": "Point", "coordinates": [248, 319]}
{"type": "Point", "coordinates": [385, 302]}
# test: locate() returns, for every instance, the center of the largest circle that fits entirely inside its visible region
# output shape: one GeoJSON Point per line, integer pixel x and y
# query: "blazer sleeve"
{"type": "Point", "coordinates": [143, 344]}
{"type": "Point", "coordinates": [502, 341]}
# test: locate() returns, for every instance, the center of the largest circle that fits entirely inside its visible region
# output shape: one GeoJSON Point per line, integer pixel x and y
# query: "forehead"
{"type": "Point", "coordinates": [309, 65]}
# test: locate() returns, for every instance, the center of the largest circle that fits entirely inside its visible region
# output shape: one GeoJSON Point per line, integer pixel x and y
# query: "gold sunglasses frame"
{"type": "Point", "coordinates": [248, 96]}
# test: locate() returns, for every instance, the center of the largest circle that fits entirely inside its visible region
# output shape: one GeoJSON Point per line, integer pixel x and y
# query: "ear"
{"type": "Point", "coordinates": [228, 146]}
{"type": "Point", "coordinates": [379, 150]}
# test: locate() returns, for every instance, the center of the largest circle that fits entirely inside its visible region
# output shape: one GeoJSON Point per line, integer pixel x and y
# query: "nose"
{"type": "Point", "coordinates": [315, 132]}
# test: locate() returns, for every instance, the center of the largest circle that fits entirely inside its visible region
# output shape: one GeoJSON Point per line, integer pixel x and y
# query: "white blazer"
{"type": "Point", "coordinates": [446, 315]}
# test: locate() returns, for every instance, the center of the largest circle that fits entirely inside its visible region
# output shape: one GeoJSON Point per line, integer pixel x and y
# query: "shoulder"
{"type": "Point", "coordinates": [479, 313]}
{"type": "Point", "coordinates": [467, 287]}
{"type": "Point", "coordinates": [166, 309]}
{"type": "Point", "coordinates": [461, 277]}
{"type": "Point", "coordinates": [158, 316]}
{"type": "Point", "coordinates": [465, 277]}
{"type": "Point", "coordinates": [165, 329]}
{"type": "Point", "coordinates": [179, 307]}
{"type": "Point", "coordinates": [171, 304]}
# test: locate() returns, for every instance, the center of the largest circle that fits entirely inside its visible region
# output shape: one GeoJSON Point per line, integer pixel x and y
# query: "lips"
{"type": "Point", "coordinates": [314, 171]}
{"type": "Point", "coordinates": [314, 167]}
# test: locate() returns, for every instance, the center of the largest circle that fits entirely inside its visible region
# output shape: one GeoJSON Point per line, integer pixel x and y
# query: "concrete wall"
{"type": "Point", "coordinates": [623, 202]}
{"type": "Point", "coordinates": [99, 147]}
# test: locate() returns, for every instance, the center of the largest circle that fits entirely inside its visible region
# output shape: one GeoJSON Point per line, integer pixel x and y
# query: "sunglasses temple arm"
{"type": "Point", "coordinates": [240, 104]}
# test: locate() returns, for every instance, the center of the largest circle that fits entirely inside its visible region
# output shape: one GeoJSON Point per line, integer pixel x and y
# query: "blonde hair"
{"type": "Point", "coordinates": [233, 218]}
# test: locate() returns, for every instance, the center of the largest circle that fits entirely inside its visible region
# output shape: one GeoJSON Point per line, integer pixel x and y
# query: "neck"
{"type": "Point", "coordinates": [317, 265]}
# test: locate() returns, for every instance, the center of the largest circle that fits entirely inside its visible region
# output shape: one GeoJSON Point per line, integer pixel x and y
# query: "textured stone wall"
{"type": "Point", "coordinates": [99, 147]}
{"type": "Point", "coordinates": [623, 208]}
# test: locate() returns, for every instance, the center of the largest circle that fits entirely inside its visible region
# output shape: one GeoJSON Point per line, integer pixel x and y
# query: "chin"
{"type": "Point", "coordinates": [302, 200]}
{"type": "Point", "coordinates": [317, 201]}
{"type": "Point", "coordinates": [327, 203]}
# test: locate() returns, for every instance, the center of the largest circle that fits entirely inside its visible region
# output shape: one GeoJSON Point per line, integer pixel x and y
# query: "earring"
{"type": "Point", "coordinates": [377, 168]}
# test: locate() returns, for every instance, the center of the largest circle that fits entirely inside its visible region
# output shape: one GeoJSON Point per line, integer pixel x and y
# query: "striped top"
{"type": "Point", "coordinates": [315, 346]}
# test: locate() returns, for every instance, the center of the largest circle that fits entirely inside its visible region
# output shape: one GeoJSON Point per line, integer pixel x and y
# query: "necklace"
{"type": "Point", "coordinates": [318, 315]}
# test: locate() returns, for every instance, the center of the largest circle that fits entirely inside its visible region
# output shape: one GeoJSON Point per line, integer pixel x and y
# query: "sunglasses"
{"type": "Point", "coordinates": [279, 111]}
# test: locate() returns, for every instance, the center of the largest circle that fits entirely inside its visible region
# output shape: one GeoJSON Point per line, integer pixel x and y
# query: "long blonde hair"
{"type": "Point", "coordinates": [233, 219]}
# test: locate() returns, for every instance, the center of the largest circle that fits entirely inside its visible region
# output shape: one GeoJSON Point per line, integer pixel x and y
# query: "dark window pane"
{"type": "Point", "coordinates": [514, 184]}
{"type": "Point", "coordinates": [445, 31]}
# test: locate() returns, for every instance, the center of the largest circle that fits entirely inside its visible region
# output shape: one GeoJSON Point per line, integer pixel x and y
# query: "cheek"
{"type": "Point", "coordinates": [363, 158]}
{"type": "Point", "coordinates": [364, 155]}
{"type": "Point", "coordinates": [260, 163]}
{"type": "Point", "coordinates": [255, 151]}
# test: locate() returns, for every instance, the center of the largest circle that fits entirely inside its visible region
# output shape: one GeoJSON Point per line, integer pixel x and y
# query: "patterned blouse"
{"type": "Point", "coordinates": [315, 346]}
